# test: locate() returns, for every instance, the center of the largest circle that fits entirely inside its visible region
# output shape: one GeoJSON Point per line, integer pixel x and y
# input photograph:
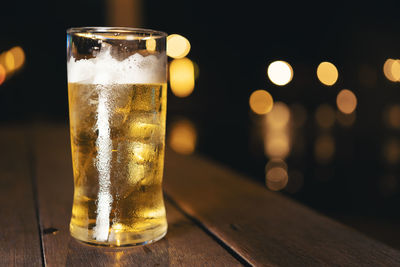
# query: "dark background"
{"type": "Point", "coordinates": [233, 44]}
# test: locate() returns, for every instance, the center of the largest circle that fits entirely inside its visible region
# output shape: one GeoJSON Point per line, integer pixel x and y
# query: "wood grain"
{"type": "Point", "coordinates": [19, 233]}
{"type": "Point", "coordinates": [184, 245]}
{"type": "Point", "coordinates": [265, 228]}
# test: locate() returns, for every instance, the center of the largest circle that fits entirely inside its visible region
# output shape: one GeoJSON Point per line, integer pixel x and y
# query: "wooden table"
{"type": "Point", "coordinates": [216, 216]}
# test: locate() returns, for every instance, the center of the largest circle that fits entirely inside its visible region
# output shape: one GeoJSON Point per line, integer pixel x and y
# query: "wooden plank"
{"type": "Point", "coordinates": [265, 228]}
{"type": "Point", "coordinates": [185, 243]}
{"type": "Point", "coordinates": [19, 234]}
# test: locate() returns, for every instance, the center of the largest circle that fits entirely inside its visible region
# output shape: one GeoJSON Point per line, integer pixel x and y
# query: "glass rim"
{"type": "Point", "coordinates": [125, 30]}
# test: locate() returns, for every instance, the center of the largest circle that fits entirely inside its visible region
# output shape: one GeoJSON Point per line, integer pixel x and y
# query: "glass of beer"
{"type": "Point", "coordinates": [117, 109]}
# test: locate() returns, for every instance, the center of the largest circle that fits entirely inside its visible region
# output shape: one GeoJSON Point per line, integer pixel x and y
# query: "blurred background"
{"type": "Point", "coordinates": [302, 98]}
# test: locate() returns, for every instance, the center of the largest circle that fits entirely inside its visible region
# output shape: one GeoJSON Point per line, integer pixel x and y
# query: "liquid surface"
{"type": "Point", "coordinates": [117, 137]}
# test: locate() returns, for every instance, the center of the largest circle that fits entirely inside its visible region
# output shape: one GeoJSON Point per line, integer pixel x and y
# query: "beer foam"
{"type": "Point", "coordinates": [104, 69]}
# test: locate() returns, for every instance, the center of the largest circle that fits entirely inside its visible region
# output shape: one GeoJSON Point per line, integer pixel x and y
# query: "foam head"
{"type": "Point", "coordinates": [104, 69]}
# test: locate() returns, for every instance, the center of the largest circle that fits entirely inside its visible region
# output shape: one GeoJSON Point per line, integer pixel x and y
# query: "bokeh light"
{"type": "Point", "coordinates": [327, 73]}
{"type": "Point", "coordinates": [277, 136]}
{"type": "Point", "coordinates": [151, 45]}
{"type": "Point", "coordinates": [2, 74]}
{"type": "Point", "coordinates": [177, 46]}
{"type": "Point", "coordinates": [392, 116]}
{"type": "Point", "coordinates": [396, 70]}
{"type": "Point", "coordinates": [346, 120]}
{"type": "Point", "coordinates": [277, 145]}
{"type": "Point", "coordinates": [9, 61]}
{"type": "Point", "coordinates": [279, 115]}
{"type": "Point", "coordinates": [387, 69]}
{"type": "Point", "coordinates": [276, 178]}
{"type": "Point", "coordinates": [2, 59]}
{"type": "Point", "coordinates": [324, 149]}
{"type": "Point", "coordinates": [280, 72]}
{"type": "Point", "coordinates": [261, 102]}
{"type": "Point", "coordinates": [346, 101]}
{"type": "Point", "coordinates": [276, 163]}
{"type": "Point", "coordinates": [183, 137]}
{"type": "Point", "coordinates": [181, 77]}
{"type": "Point", "coordinates": [391, 69]}
{"type": "Point", "coordinates": [325, 116]}
{"type": "Point", "coordinates": [18, 55]}
{"type": "Point", "coordinates": [391, 151]}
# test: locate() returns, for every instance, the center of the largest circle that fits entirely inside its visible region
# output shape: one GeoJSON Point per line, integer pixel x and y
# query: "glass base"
{"type": "Point", "coordinates": [122, 239]}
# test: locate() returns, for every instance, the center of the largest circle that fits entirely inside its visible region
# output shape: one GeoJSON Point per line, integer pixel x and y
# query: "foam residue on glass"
{"type": "Point", "coordinates": [106, 70]}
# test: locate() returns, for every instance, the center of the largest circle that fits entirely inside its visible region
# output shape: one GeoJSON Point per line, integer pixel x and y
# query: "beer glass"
{"type": "Point", "coordinates": [117, 109]}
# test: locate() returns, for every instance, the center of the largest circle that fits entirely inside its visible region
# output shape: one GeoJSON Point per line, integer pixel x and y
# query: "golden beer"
{"type": "Point", "coordinates": [117, 138]}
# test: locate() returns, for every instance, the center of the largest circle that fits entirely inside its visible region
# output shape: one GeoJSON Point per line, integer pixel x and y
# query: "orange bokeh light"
{"type": "Point", "coordinates": [277, 136]}
{"type": "Point", "coordinates": [391, 116]}
{"type": "Point", "coordinates": [279, 115]}
{"type": "Point", "coordinates": [327, 73]}
{"type": "Point", "coordinates": [2, 74]}
{"type": "Point", "coordinates": [391, 69]}
{"type": "Point", "coordinates": [18, 56]}
{"type": "Point", "coordinates": [261, 102]}
{"type": "Point", "coordinates": [181, 77]}
{"type": "Point", "coordinates": [183, 136]}
{"type": "Point", "coordinates": [346, 101]}
{"type": "Point", "coordinates": [324, 148]}
{"type": "Point", "coordinates": [277, 144]}
{"type": "Point", "coordinates": [276, 178]}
